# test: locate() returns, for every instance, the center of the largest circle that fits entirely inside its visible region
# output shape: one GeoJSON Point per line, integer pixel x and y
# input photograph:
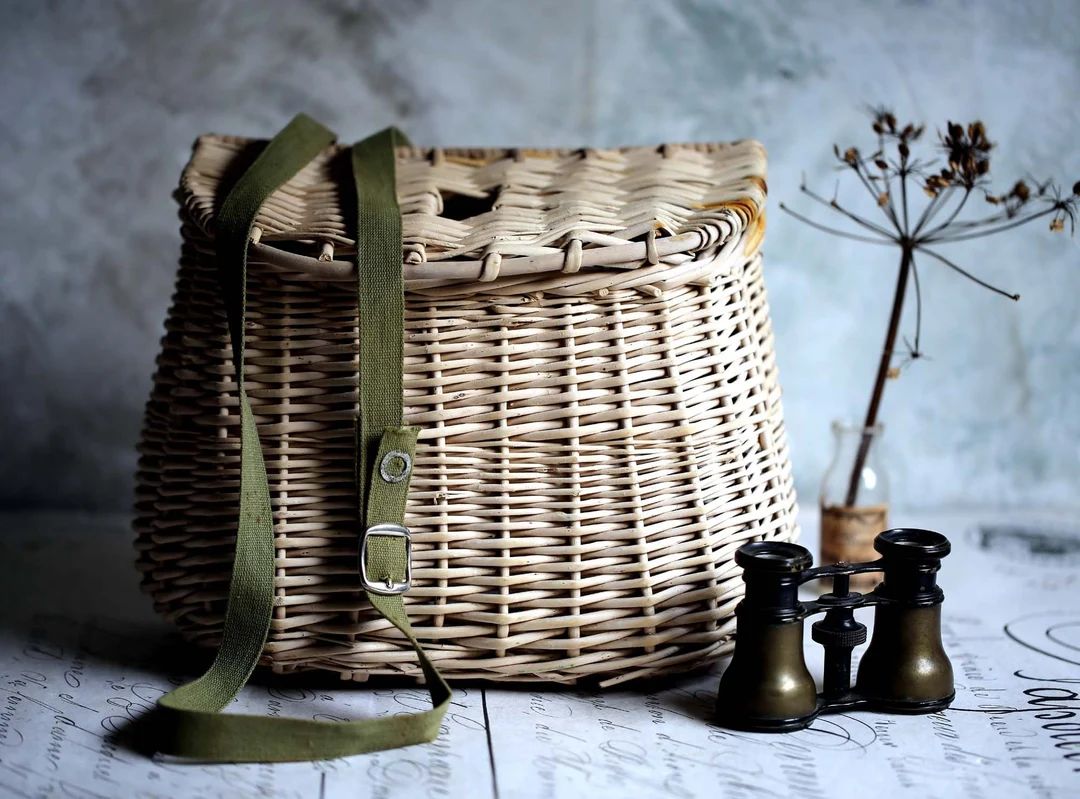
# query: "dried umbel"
{"type": "Point", "coordinates": [891, 173]}
{"type": "Point", "coordinates": [969, 154]}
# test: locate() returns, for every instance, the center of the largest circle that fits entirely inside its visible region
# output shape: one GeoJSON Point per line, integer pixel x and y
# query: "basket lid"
{"type": "Point", "coordinates": [502, 214]}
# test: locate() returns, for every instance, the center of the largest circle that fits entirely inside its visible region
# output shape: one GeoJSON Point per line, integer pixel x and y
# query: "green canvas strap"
{"type": "Point", "coordinates": [191, 724]}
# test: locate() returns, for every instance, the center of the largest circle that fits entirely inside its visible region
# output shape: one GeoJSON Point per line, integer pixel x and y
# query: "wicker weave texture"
{"type": "Point", "coordinates": [599, 434]}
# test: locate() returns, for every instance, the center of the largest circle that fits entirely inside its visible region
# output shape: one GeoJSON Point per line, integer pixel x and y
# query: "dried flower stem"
{"type": "Point", "coordinates": [969, 276]}
{"type": "Point", "coordinates": [987, 231]}
{"type": "Point", "coordinates": [835, 206]}
{"type": "Point", "coordinates": [841, 233]}
{"type": "Point", "coordinates": [882, 374]}
{"type": "Point", "coordinates": [967, 169]}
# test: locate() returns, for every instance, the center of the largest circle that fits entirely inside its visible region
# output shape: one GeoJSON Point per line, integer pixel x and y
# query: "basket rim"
{"type": "Point", "coordinates": [741, 214]}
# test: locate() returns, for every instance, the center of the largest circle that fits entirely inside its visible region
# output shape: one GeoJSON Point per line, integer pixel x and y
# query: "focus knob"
{"type": "Point", "coordinates": [849, 635]}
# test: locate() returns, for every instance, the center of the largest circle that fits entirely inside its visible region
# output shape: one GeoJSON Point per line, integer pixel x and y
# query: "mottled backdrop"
{"type": "Point", "coordinates": [101, 101]}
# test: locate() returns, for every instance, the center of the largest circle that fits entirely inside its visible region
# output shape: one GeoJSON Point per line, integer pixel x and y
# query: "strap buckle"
{"type": "Point", "coordinates": [386, 587]}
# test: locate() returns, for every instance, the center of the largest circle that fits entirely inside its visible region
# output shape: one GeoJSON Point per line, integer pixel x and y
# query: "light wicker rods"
{"type": "Point", "coordinates": [589, 356]}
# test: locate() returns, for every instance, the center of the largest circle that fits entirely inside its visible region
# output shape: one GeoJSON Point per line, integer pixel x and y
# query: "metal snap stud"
{"type": "Point", "coordinates": [395, 466]}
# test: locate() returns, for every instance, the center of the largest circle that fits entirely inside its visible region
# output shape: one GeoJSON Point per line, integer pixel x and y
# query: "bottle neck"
{"type": "Point", "coordinates": [855, 446]}
{"type": "Point", "coordinates": [848, 440]}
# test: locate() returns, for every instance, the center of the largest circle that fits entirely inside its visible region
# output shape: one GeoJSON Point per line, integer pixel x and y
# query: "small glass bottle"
{"type": "Point", "coordinates": [854, 512]}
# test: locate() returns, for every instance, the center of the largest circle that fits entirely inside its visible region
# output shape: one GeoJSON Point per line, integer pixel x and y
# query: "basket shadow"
{"type": "Point", "coordinates": [73, 594]}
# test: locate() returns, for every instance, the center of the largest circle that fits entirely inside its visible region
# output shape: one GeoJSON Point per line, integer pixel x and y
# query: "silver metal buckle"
{"type": "Point", "coordinates": [387, 587]}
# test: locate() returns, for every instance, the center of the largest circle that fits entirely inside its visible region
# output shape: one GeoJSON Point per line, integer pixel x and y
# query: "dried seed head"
{"type": "Point", "coordinates": [883, 199]}
{"type": "Point", "coordinates": [977, 134]}
{"type": "Point", "coordinates": [1057, 224]}
{"type": "Point", "coordinates": [1020, 191]}
{"type": "Point", "coordinates": [883, 121]}
{"type": "Point", "coordinates": [851, 156]}
{"type": "Point", "coordinates": [1076, 188]}
{"type": "Point", "coordinates": [935, 184]}
{"type": "Point", "coordinates": [881, 163]}
{"type": "Point", "coordinates": [968, 152]}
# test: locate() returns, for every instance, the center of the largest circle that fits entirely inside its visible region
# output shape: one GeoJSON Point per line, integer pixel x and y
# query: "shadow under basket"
{"type": "Point", "coordinates": [589, 357]}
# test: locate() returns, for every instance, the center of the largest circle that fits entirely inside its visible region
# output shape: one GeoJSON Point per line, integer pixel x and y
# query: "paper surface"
{"type": "Point", "coordinates": [81, 654]}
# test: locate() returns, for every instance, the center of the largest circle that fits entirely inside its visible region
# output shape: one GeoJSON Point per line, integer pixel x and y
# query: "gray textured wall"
{"type": "Point", "coordinates": [101, 101]}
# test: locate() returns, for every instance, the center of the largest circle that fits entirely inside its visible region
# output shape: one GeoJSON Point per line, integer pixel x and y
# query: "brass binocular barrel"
{"type": "Point", "coordinates": [767, 686]}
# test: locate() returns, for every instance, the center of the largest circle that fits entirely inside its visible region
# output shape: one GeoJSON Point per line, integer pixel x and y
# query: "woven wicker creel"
{"type": "Point", "coordinates": [589, 356]}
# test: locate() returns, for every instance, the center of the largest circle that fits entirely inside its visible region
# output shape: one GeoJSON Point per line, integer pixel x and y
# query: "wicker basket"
{"type": "Point", "coordinates": [589, 355]}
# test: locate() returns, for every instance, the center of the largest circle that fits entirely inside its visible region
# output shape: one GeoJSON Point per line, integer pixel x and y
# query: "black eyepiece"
{"type": "Point", "coordinates": [909, 543]}
{"type": "Point", "coordinates": [777, 557]}
{"type": "Point", "coordinates": [910, 559]}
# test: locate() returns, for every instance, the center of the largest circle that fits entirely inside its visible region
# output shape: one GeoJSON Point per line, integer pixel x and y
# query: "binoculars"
{"type": "Point", "coordinates": [767, 687]}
